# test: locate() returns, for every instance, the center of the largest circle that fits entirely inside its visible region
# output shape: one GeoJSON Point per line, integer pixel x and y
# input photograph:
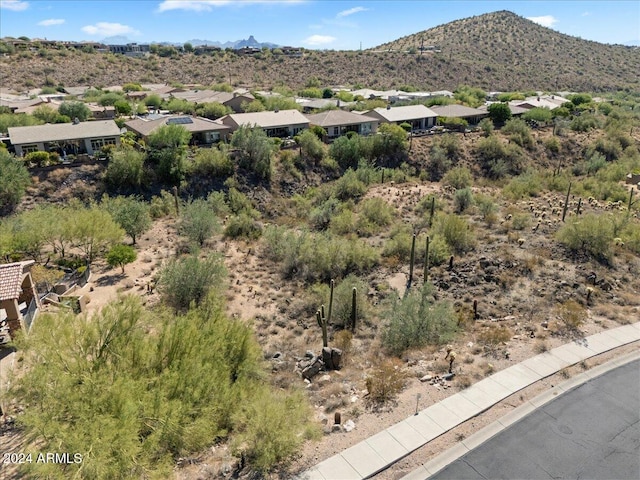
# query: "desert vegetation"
{"type": "Point", "coordinates": [235, 265]}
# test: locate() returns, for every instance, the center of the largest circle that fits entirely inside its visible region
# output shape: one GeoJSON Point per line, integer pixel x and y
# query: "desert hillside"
{"type": "Point", "coordinates": [498, 51]}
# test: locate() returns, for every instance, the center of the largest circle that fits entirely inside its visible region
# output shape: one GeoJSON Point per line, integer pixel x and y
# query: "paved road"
{"type": "Point", "coordinates": [591, 432]}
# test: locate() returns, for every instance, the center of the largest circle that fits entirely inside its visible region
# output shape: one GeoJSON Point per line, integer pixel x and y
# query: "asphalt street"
{"type": "Point", "coordinates": [591, 432]}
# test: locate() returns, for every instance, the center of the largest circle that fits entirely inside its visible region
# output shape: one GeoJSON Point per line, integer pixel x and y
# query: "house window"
{"type": "Point", "coordinates": [98, 143]}
{"type": "Point", "coordinates": [336, 131]}
{"type": "Point", "coordinates": [29, 148]}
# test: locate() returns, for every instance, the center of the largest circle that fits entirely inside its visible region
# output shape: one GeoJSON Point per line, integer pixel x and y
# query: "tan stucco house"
{"type": "Point", "coordinates": [203, 131]}
{"type": "Point", "coordinates": [278, 123]}
{"type": "Point", "coordinates": [338, 122]}
{"type": "Point", "coordinates": [418, 116]}
{"type": "Point", "coordinates": [72, 138]}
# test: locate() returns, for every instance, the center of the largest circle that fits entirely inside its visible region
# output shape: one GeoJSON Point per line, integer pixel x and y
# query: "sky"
{"type": "Point", "coordinates": [325, 24]}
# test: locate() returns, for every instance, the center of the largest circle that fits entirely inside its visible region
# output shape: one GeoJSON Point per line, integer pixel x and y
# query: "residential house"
{"type": "Point", "coordinates": [309, 105]}
{"type": "Point", "coordinates": [203, 131]}
{"type": "Point", "coordinates": [541, 101]}
{"type": "Point", "coordinates": [278, 123]}
{"type": "Point", "coordinates": [233, 100]}
{"type": "Point", "coordinates": [65, 138]}
{"type": "Point", "coordinates": [418, 116]}
{"type": "Point", "coordinates": [516, 110]}
{"type": "Point", "coordinates": [19, 302]}
{"type": "Point", "coordinates": [471, 115]}
{"type": "Point", "coordinates": [338, 122]}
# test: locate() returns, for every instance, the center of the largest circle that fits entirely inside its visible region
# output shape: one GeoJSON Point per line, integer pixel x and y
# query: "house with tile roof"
{"type": "Point", "coordinates": [19, 302]}
{"type": "Point", "coordinates": [336, 123]}
{"type": "Point", "coordinates": [278, 123]}
{"type": "Point", "coordinates": [418, 116]}
{"type": "Point", "coordinates": [72, 138]}
{"type": "Point", "coordinates": [233, 100]}
{"type": "Point", "coordinates": [203, 131]}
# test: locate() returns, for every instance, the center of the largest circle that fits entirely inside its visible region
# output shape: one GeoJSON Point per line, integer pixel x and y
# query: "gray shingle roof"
{"type": "Point", "coordinates": [460, 111]}
{"type": "Point", "coordinates": [145, 127]}
{"type": "Point", "coordinates": [63, 131]}
{"type": "Point", "coordinates": [281, 118]}
{"type": "Point", "coordinates": [333, 118]}
{"type": "Point", "coordinates": [409, 112]}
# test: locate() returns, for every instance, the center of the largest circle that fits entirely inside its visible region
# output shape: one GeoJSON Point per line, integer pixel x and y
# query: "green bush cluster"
{"type": "Point", "coordinates": [317, 256]}
{"type": "Point", "coordinates": [416, 320]}
{"type": "Point", "coordinates": [456, 231]}
{"type": "Point", "coordinates": [132, 391]}
{"type": "Point", "coordinates": [188, 280]}
{"type": "Point", "coordinates": [590, 234]}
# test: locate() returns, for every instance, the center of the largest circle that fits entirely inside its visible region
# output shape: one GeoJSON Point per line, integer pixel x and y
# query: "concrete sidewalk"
{"type": "Point", "coordinates": [378, 452]}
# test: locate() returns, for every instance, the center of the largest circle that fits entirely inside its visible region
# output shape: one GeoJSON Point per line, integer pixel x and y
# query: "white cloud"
{"type": "Point", "coordinates": [544, 20]}
{"type": "Point", "coordinates": [319, 39]}
{"type": "Point", "coordinates": [351, 11]}
{"type": "Point", "coordinates": [15, 5]}
{"type": "Point", "coordinates": [108, 29]}
{"type": "Point", "coordinates": [207, 5]}
{"type": "Point", "coordinates": [586, 14]}
{"type": "Point", "coordinates": [51, 21]}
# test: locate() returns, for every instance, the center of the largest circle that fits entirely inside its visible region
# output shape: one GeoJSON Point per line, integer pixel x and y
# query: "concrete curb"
{"type": "Point", "coordinates": [441, 461]}
{"type": "Point", "coordinates": [379, 452]}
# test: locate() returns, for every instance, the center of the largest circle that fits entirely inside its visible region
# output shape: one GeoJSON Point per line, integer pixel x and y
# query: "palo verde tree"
{"type": "Point", "coordinates": [14, 179]}
{"type": "Point", "coordinates": [168, 150]}
{"type": "Point", "coordinates": [256, 150]}
{"type": "Point", "coordinates": [132, 214]}
{"type": "Point", "coordinates": [499, 113]}
{"type": "Point", "coordinates": [75, 110]}
{"type": "Point", "coordinates": [132, 391]}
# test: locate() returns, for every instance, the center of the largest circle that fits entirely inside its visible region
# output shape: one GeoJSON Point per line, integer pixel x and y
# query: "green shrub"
{"type": "Point", "coordinates": [519, 132]}
{"type": "Point", "coordinates": [197, 222]}
{"type": "Point", "coordinates": [528, 184]}
{"type": "Point", "coordinates": [343, 223]}
{"type": "Point", "coordinates": [590, 234]}
{"type": "Point", "coordinates": [40, 158]}
{"type": "Point", "coordinates": [486, 205]}
{"type": "Point", "coordinates": [212, 162]}
{"type": "Point", "coordinates": [349, 186]}
{"type": "Point", "coordinates": [14, 179]}
{"type": "Point", "coordinates": [321, 216]}
{"type": "Point", "coordinates": [147, 388]}
{"type": "Point", "coordinates": [456, 232]}
{"type": "Point", "coordinates": [416, 320]}
{"type": "Point", "coordinates": [189, 279]}
{"type": "Point", "coordinates": [584, 123]}
{"type": "Point", "coordinates": [377, 212]}
{"type": "Point", "coordinates": [125, 169]}
{"type": "Point", "coordinates": [242, 226]}
{"type": "Point", "coordinates": [162, 205]}
{"type": "Point", "coordinates": [458, 178]}
{"type": "Point", "coordinates": [317, 256]}
{"type": "Point", "coordinates": [462, 200]}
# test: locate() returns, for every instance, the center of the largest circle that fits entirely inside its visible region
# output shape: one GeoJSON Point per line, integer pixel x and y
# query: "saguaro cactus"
{"type": "Point", "coordinates": [322, 323]}
{"type": "Point", "coordinates": [330, 302]}
{"type": "Point", "coordinates": [426, 261]}
{"type": "Point", "coordinates": [566, 202]}
{"type": "Point", "coordinates": [354, 308]}
{"type": "Point", "coordinates": [476, 316]}
{"type": "Point", "coordinates": [432, 210]}
{"type": "Point", "coordinates": [412, 261]}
